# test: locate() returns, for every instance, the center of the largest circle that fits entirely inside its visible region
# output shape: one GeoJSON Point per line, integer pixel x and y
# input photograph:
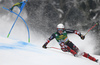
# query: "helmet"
{"type": "Point", "coordinates": [60, 26]}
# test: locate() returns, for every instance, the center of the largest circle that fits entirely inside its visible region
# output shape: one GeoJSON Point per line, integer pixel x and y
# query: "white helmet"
{"type": "Point", "coordinates": [60, 26]}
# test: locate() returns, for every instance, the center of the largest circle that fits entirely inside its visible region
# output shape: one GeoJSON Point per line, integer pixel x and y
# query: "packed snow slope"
{"type": "Point", "coordinates": [14, 52]}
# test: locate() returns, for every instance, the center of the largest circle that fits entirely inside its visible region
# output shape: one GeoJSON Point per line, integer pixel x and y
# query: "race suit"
{"type": "Point", "coordinates": [63, 40]}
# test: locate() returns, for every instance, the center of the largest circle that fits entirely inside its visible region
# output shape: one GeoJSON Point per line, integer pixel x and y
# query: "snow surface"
{"type": "Point", "coordinates": [14, 52]}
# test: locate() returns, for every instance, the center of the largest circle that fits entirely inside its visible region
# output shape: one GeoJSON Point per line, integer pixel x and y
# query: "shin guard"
{"type": "Point", "coordinates": [72, 51]}
{"type": "Point", "coordinates": [89, 57]}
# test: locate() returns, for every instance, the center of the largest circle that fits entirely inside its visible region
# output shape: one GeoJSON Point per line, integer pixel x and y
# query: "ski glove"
{"type": "Point", "coordinates": [44, 46]}
{"type": "Point", "coordinates": [10, 9]}
{"type": "Point", "coordinates": [82, 37]}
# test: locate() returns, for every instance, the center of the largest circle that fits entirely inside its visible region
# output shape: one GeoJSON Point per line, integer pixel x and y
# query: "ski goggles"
{"type": "Point", "coordinates": [60, 29]}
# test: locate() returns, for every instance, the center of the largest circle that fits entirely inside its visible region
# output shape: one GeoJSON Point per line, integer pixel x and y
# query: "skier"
{"type": "Point", "coordinates": [66, 44]}
{"type": "Point", "coordinates": [17, 4]}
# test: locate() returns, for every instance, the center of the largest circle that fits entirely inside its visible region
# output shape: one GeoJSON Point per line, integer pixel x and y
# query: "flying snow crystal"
{"type": "Point", "coordinates": [60, 11]}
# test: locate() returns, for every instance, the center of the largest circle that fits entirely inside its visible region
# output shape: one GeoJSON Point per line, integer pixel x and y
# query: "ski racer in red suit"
{"type": "Point", "coordinates": [66, 44]}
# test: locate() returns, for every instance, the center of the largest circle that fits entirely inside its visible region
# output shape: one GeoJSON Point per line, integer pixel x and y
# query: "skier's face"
{"type": "Point", "coordinates": [60, 30]}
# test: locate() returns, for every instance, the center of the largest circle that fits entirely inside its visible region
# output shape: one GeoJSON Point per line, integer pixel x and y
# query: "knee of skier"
{"type": "Point", "coordinates": [64, 49]}
{"type": "Point", "coordinates": [75, 49]}
{"type": "Point", "coordinates": [80, 53]}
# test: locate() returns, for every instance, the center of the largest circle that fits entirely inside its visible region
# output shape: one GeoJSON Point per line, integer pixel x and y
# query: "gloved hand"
{"type": "Point", "coordinates": [44, 46]}
{"type": "Point", "coordinates": [82, 37]}
{"type": "Point", "coordinates": [10, 9]}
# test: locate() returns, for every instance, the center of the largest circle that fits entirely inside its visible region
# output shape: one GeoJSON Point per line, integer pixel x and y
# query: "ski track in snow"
{"type": "Point", "coordinates": [21, 53]}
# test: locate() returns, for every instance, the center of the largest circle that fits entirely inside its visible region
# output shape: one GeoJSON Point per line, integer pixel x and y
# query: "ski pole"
{"type": "Point", "coordinates": [91, 28]}
{"type": "Point", "coordinates": [54, 48]}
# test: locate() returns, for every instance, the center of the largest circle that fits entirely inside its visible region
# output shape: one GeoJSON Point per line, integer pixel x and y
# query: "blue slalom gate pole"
{"type": "Point", "coordinates": [18, 15]}
{"type": "Point", "coordinates": [21, 8]}
{"type": "Point", "coordinates": [13, 25]}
